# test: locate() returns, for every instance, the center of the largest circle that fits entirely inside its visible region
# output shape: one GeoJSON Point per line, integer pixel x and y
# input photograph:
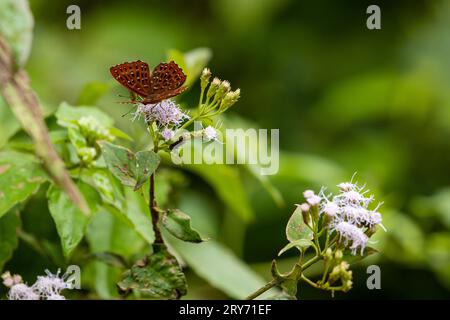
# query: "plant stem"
{"type": "Point", "coordinates": [260, 291]}
{"type": "Point", "coordinates": [154, 212]}
{"type": "Point", "coordinates": [275, 282]}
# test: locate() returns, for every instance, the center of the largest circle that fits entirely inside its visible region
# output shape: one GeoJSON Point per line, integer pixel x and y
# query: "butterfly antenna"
{"type": "Point", "coordinates": [128, 112]}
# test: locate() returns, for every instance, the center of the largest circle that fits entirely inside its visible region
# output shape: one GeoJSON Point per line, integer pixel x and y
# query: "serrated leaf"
{"type": "Point", "coordinates": [296, 228]}
{"type": "Point", "coordinates": [301, 245]}
{"type": "Point", "coordinates": [157, 276]}
{"type": "Point", "coordinates": [16, 26]}
{"type": "Point", "coordinates": [8, 236]}
{"type": "Point", "coordinates": [20, 176]}
{"type": "Point", "coordinates": [178, 224]}
{"type": "Point", "coordinates": [70, 221]}
{"type": "Point", "coordinates": [146, 164]}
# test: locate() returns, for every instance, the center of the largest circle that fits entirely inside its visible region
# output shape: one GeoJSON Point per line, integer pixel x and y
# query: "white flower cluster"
{"type": "Point", "coordinates": [47, 287]}
{"type": "Point", "coordinates": [165, 113]}
{"type": "Point", "coordinates": [210, 133]}
{"type": "Point", "coordinates": [348, 213]}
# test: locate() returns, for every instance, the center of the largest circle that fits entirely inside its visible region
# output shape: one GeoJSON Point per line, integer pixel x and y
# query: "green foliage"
{"type": "Point", "coordinates": [9, 241]}
{"type": "Point", "coordinates": [16, 25]}
{"type": "Point", "coordinates": [296, 228]}
{"type": "Point", "coordinates": [131, 169]}
{"type": "Point", "coordinates": [157, 276]}
{"type": "Point", "coordinates": [20, 176]}
{"type": "Point", "coordinates": [220, 267]}
{"type": "Point", "coordinates": [10, 126]}
{"type": "Point", "coordinates": [381, 110]}
{"type": "Point", "coordinates": [70, 221]}
{"type": "Point", "coordinates": [178, 224]}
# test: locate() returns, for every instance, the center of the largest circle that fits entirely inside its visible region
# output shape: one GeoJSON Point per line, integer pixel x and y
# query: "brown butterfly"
{"type": "Point", "coordinates": [164, 82]}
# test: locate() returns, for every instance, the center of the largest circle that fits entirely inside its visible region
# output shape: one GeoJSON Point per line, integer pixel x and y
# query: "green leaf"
{"type": "Point", "coordinates": [92, 92]}
{"type": "Point", "coordinates": [438, 254]}
{"type": "Point", "coordinates": [20, 176]}
{"type": "Point", "coordinates": [138, 213]}
{"type": "Point", "coordinates": [67, 115]}
{"type": "Point", "coordinates": [132, 170]}
{"type": "Point", "coordinates": [301, 244]}
{"type": "Point", "coordinates": [10, 125]}
{"type": "Point", "coordinates": [8, 236]}
{"type": "Point", "coordinates": [16, 25]}
{"type": "Point", "coordinates": [107, 186]}
{"type": "Point", "coordinates": [309, 168]}
{"type": "Point", "coordinates": [107, 233]}
{"type": "Point", "coordinates": [121, 162]}
{"type": "Point", "coordinates": [157, 276]}
{"type": "Point", "coordinates": [112, 259]}
{"type": "Point", "coordinates": [227, 183]}
{"type": "Point", "coordinates": [70, 221]}
{"type": "Point", "coordinates": [192, 62]}
{"type": "Point", "coordinates": [220, 267]}
{"type": "Point", "coordinates": [178, 224]}
{"type": "Point", "coordinates": [146, 164]}
{"type": "Point", "coordinates": [288, 280]}
{"type": "Point", "coordinates": [296, 228]}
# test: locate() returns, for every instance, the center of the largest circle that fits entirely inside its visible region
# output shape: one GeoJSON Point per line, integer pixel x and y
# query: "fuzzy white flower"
{"type": "Point", "coordinates": [167, 134]}
{"type": "Point", "coordinates": [49, 285]}
{"type": "Point", "coordinates": [56, 297]}
{"type": "Point", "coordinates": [314, 200]}
{"type": "Point", "coordinates": [22, 292]}
{"type": "Point", "coordinates": [346, 186]}
{"type": "Point", "coordinates": [165, 113]}
{"type": "Point", "coordinates": [308, 194]}
{"type": "Point", "coordinates": [210, 133]}
{"type": "Point", "coordinates": [352, 236]}
{"type": "Point", "coordinates": [304, 207]}
{"type": "Point", "coordinates": [330, 209]}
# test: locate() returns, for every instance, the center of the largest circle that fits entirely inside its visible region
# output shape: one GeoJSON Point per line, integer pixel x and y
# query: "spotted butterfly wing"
{"type": "Point", "coordinates": [135, 76]}
{"type": "Point", "coordinates": [164, 82]}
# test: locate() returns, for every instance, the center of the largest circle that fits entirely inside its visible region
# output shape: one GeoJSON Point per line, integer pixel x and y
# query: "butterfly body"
{"type": "Point", "coordinates": [164, 82]}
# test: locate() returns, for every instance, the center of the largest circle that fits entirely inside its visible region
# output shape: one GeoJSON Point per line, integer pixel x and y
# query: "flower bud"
{"type": "Point", "coordinates": [204, 78]}
{"type": "Point", "coordinates": [304, 207]}
{"type": "Point", "coordinates": [224, 87]}
{"type": "Point", "coordinates": [329, 254]}
{"type": "Point", "coordinates": [338, 255]}
{"type": "Point", "coordinates": [215, 84]}
{"type": "Point", "coordinates": [308, 194]}
{"type": "Point", "coordinates": [230, 99]}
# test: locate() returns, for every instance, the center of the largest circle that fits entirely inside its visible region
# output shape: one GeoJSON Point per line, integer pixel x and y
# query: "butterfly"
{"type": "Point", "coordinates": [164, 82]}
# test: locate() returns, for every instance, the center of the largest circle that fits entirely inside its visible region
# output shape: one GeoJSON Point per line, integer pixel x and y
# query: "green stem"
{"type": "Point", "coordinates": [275, 282]}
{"type": "Point", "coordinates": [310, 282]}
{"type": "Point", "coordinates": [260, 291]}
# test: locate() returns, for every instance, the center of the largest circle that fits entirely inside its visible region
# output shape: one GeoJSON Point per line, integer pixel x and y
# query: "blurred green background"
{"type": "Point", "coordinates": [346, 99]}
